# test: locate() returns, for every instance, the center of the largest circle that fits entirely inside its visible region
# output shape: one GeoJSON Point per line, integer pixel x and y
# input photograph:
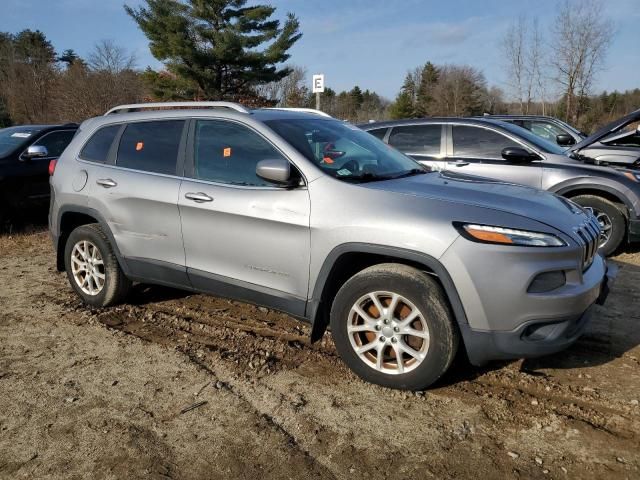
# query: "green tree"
{"type": "Point", "coordinates": [425, 94]}
{"type": "Point", "coordinates": [223, 47]}
{"type": "Point", "coordinates": [69, 57]}
{"type": "Point", "coordinates": [402, 107]}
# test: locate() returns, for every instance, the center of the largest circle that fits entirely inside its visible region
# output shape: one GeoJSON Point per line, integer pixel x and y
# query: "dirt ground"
{"type": "Point", "coordinates": [106, 393]}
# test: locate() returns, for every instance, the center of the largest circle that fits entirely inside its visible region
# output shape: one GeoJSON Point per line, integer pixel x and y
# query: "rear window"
{"type": "Point", "coordinates": [97, 148]}
{"type": "Point", "coordinates": [151, 146]}
{"type": "Point", "coordinates": [378, 132]}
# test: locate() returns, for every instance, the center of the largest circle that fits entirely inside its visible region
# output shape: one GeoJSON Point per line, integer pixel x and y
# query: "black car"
{"type": "Point", "coordinates": [549, 128]}
{"type": "Point", "coordinates": [25, 154]}
{"type": "Point", "coordinates": [501, 150]}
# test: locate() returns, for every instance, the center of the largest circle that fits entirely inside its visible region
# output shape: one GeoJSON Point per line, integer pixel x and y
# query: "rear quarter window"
{"type": "Point", "coordinates": [98, 146]}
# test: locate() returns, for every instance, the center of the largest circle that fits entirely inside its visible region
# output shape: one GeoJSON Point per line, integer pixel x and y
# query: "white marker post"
{"type": "Point", "coordinates": [318, 88]}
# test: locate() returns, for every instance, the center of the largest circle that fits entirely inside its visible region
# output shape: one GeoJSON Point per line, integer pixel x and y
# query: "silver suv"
{"type": "Point", "coordinates": [314, 217]}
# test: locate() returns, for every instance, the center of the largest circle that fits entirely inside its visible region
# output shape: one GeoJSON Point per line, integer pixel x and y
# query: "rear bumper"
{"type": "Point", "coordinates": [534, 338]}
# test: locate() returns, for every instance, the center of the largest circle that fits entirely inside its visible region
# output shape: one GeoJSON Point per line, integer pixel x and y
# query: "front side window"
{"type": "Point", "coordinates": [546, 130]}
{"type": "Point", "coordinates": [344, 151]}
{"type": "Point", "coordinates": [97, 148]}
{"type": "Point", "coordinates": [56, 142]}
{"type": "Point", "coordinates": [14, 138]}
{"type": "Point", "coordinates": [476, 142]}
{"type": "Point", "coordinates": [151, 146]}
{"type": "Point", "coordinates": [418, 139]}
{"type": "Point", "coordinates": [227, 152]}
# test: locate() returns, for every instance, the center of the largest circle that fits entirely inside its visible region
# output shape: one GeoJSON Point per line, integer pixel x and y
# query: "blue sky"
{"type": "Point", "coordinates": [371, 43]}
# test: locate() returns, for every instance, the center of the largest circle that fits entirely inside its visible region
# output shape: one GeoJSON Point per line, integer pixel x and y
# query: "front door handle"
{"type": "Point", "coordinates": [459, 163]}
{"type": "Point", "coordinates": [198, 197]}
{"type": "Point", "coordinates": [106, 183]}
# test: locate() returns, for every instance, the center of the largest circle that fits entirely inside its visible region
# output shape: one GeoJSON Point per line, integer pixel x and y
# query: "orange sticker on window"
{"type": "Point", "coordinates": [226, 152]}
{"type": "Point", "coordinates": [327, 160]}
{"type": "Point", "coordinates": [139, 146]}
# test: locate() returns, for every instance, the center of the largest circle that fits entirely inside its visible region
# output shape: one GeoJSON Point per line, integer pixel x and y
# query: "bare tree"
{"type": "Point", "coordinates": [111, 58]}
{"type": "Point", "coordinates": [536, 66]}
{"type": "Point", "coordinates": [291, 91]}
{"type": "Point", "coordinates": [581, 38]}
{"type": "Point", "coordinates": [514, 47]}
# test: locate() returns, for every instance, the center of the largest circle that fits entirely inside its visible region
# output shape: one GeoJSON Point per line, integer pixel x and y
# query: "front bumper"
{"type": "Point", "coordinates": [534, 338]}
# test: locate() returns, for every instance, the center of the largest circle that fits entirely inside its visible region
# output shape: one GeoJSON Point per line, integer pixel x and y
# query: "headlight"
{"type": "Point", "coordinates": [508, 236]}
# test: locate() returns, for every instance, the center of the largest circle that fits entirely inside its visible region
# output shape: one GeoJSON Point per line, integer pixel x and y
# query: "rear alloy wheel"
{"type": "Point", "coordinates": [392, 326]}
{"type": "Point", "coordinates": [93, 269]}
{"type": "Point", "coordinates": [613, 226]}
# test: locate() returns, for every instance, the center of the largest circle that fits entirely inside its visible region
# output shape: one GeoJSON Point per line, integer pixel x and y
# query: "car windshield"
{"type": "Point", "coordinates": [344, 151]}
{"type": "Point", "coordinates": [13, 138]}
{"type": "Point", "coordinates": [540, 143]}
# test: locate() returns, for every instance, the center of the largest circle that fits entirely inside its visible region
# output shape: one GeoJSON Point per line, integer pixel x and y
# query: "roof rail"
{"type": "Point", "coordinates": [304, 110]}
{"type": "Point", "coordinates": [165, 105]}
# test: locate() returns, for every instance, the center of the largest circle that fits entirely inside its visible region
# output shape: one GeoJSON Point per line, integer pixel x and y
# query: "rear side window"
{"type": "Point", "coordinates": [419, 139]}
{"type": "Point", "coordinates": [476, 142]}
{"type": "Point", "coordinates": [151, 146]}
{"type": "Point", "coordinates": [97, 148]}
{"type": "Point", "coordinates": [378, 132]}
{"type": "Point", "coordinates": [56, 142]}
{"type": "Point", "coordinates": [226, 152]}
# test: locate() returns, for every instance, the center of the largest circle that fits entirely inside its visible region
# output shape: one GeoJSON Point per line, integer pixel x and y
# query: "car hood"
{"type": "Point", "coordinates": [540, 205]}
{"type": "Point", "coordinates": [607, 130]}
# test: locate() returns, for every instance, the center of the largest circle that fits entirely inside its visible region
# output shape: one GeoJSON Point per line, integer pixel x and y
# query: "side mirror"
{"type": "Point", "coordinates": [565, 140]}
{"type": "Point", "coordinates": [35, 151]}
{"type": "Point", "coordinates": [518, 155]}
{"type": "Point", "coordinates": [276, 171]}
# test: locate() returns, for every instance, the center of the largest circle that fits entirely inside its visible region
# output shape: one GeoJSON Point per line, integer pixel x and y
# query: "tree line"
{"type": "Point", "coordinates": [228, 50]}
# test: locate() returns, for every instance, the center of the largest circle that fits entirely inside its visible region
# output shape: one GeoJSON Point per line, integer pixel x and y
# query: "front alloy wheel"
{"type": "Point", "coordinates": [388, 332]}
{"type": "Point", "coordinates": [392, 325]}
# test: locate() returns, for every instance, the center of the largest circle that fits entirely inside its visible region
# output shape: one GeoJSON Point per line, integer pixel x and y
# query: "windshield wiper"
{"type": "Point", "coordinates": [413, 171]}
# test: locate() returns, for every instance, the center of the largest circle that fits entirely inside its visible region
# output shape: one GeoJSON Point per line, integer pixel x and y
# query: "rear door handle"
{"type": "Point", "coordinates": [198, 197]}
{"type": "Point", "coordinates": [106, 183]}
{"type": "Point", "coordinates": [459, 163]}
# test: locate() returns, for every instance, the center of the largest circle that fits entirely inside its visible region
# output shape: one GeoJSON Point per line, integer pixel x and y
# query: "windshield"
{"type": "Point", "coordinates": [540, 143]}
{"type": "Point", "coordinates": [13, 138]}
{"type": "Point", "coordinates": [344, 151]}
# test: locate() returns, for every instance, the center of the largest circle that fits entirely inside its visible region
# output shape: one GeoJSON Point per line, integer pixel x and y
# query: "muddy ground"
{"type": "Point", "coordinates": [106, 393]}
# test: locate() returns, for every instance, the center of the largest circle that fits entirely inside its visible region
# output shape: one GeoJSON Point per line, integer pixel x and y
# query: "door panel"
{"type": "Point", "coordinates": [138, 196]}
{"type": "Point", "coordinates": [237, 227]}
{"type": "Point", "coordinates": [258, 236]}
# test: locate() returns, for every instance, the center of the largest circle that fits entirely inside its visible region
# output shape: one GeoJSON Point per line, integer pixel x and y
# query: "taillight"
{"type": "Point", "coordinates": [52, 167]}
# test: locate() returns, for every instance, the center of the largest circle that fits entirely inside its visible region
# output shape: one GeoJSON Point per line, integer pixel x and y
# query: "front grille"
{"type": "Point", "coordinates": [589, 235]}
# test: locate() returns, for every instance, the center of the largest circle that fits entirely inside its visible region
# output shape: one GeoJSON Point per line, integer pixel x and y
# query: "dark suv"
{"type": "Point", "coordinates": [501, 150]}
{"type": "Point", "coordinates": [25, 153]}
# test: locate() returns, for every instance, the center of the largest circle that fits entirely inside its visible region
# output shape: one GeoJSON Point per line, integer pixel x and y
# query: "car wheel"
{"type": "Point", "coordinates": [613, 226]}
{"type": "Point", "coordinates": [93, 269]}
{"type": "Point", "coordinates": [392, 326]}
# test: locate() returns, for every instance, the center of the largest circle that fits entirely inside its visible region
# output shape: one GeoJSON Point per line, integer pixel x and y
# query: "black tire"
{"type": "Point", "coordinates": [618, 223]}
{"type": "Point", "coordinates": [425, 293]}
{"type": "Point", "coordinates": [116, 284]}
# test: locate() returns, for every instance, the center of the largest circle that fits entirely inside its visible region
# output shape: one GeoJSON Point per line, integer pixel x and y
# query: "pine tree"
{"type": "Point", "coordinates": [222, 46]}
{"type": "Point", "coordinates": [402, 107]}
{"type": "Point", "coordinates": [428, 81]}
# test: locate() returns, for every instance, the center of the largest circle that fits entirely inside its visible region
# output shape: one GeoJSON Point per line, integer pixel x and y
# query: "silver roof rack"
{"type": "Point", "coordinates": [166, 105]}
{"type": "Point", "coordinates": [304, 110]}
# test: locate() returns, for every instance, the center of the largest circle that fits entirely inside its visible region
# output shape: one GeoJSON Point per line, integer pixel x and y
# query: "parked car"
{"type": "Point", "coordinates": [25, 153]}
{"type": "Point", "coordinates": [504, 151]}
{"type": "Point", "coordinates": [247, 204]}
{"type": "Point", "coordinates": [549, 128]}
{"type": "Point", "coordinates": [618, 143]}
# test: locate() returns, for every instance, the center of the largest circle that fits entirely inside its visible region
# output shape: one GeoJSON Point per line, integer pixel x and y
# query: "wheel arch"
{"type": "Point", "coordinates": [346, 260]}
{"type": "Point", "coordinates": [604, 191]}
{"type": "Point", "coordinates": [72, 217]}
